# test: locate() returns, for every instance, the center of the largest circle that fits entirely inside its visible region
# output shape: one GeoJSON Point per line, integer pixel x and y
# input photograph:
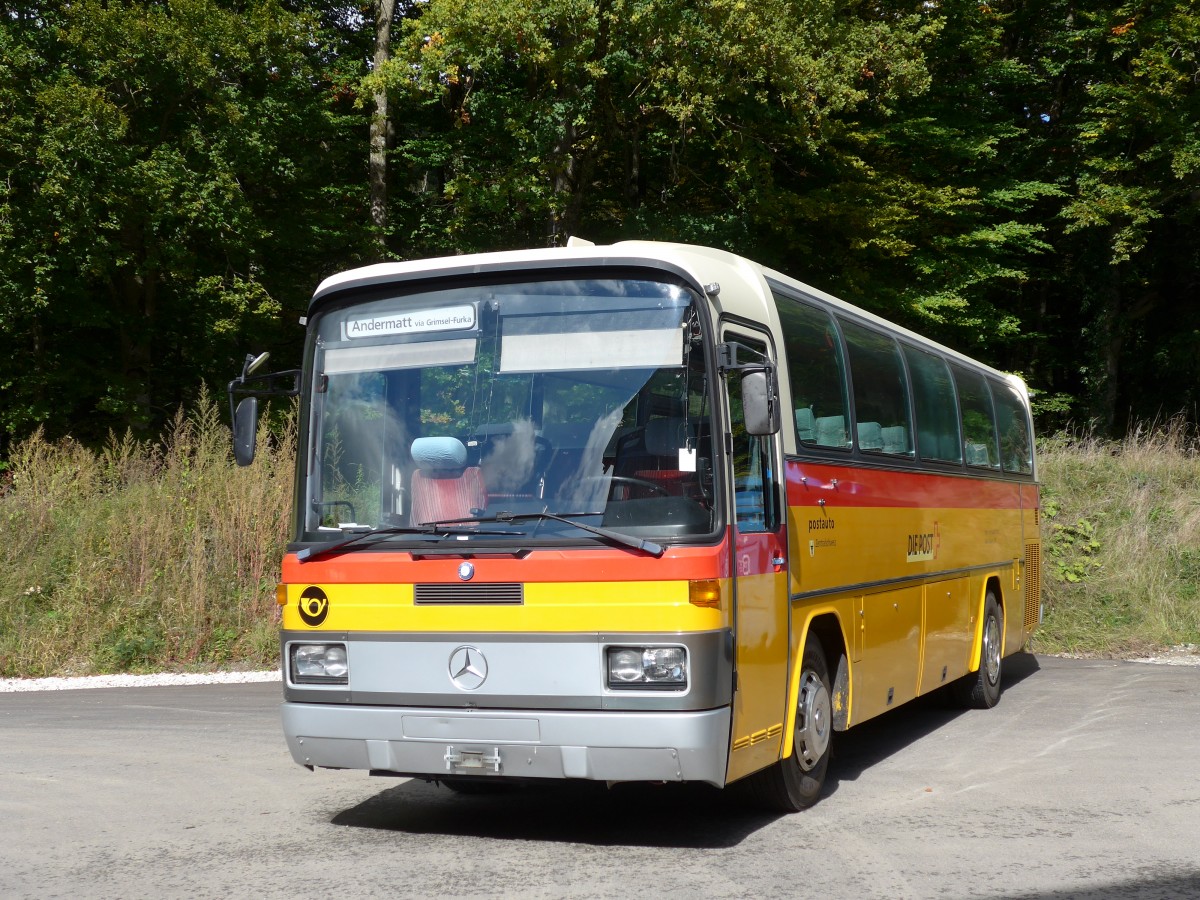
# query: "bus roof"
{"type": "Point", "coordinates": [745, 286]}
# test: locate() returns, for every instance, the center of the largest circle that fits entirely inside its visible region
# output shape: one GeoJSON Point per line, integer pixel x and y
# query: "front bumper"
{"type": "Point", "coordinates": [444, 743]}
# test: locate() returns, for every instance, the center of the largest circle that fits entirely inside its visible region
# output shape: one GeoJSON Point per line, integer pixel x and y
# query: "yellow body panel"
{"type": "Point", "coordinates": [759, 704]}
{"type": "Point", "coordinates": [605, 606]}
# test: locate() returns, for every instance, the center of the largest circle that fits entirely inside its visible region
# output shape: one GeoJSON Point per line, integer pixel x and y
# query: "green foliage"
{"type": "Point", "coordinates": [1016, 179]}
{"type": "Point", "coordinates": [167, 182]}
{"type": "Point", "coordinates": [1072, 547]}
{"type": "Point", "coordinates": [650, 116]}
{"type": "Point", "coordinates": [1121, 538]}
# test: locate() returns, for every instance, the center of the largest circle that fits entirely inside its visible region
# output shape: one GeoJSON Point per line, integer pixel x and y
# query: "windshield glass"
{"type": "Point", "coordinates": [586, 399]}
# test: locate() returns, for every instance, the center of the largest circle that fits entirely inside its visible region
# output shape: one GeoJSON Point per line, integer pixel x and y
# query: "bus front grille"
{"type": "Point", "coordinates": [504, 594]}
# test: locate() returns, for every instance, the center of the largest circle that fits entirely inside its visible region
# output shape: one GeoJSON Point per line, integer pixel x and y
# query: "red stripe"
{"type": "Point", "coordinates": [809, 482]}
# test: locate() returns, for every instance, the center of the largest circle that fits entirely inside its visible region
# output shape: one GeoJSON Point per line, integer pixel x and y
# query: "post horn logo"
{"type": "Point", "coordinates": [313, 606]}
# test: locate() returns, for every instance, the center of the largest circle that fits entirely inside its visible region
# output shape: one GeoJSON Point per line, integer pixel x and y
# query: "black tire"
{"type": "Point", "coordinates": [981, 689]}
{"type": "Point", "coordinates": [795, 783]}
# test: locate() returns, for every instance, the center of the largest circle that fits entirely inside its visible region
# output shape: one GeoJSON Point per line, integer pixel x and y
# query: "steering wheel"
{"type": "Point", "coordinates": [630, 481]}
{"type": "Point", "coordinates": [334, 504]}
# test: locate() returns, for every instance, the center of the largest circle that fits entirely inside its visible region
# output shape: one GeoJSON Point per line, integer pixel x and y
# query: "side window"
{"type": "Point", "coordinates": [880, 392]}
{"type": "Point", "coordinates": [754, 490]}
{"type": "Point", "coordinates": [979, 431]}
{"type": "Point", "coordinates": [934, 405]}
{"type": "Point", "coordinates": [1012, 420]}
{"type": "Point", "coordinates": [817, 374]}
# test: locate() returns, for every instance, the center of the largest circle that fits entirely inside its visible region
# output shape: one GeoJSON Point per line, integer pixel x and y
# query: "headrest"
{"type": "Point", "coordinates": [439, 454]}
{"type": "Point", "coordinates": [664, 437]}
{"type": "Point", "coordinates": [870, 435]}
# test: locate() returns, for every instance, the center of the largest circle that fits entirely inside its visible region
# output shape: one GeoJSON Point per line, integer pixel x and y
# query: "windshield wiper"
{"type": "Point", "coordinates": [613, 537]}
{"type": "Point", "coordinates": [360, 537]}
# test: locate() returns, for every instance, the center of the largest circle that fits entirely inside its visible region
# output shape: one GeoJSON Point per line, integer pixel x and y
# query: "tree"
{"type": "Point", "coordinates": [1136, 208]}
{"type": "Point", "coordinates": [646, 116]}
{"type": "Point", "coordinates": [172, 178]}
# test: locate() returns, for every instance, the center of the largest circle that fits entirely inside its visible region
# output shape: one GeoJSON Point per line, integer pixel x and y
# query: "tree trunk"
{"type": "Point", "coordinates": [1111, 338]}
{"type": "Point", "coordinates": [377, 162]}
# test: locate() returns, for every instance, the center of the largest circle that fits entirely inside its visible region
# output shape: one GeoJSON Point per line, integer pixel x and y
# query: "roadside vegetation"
{"type": "Point", "coordinates": [147, 556]}
{"type": "Point", "coordinates": [1121, 542]}
{"type": "Point", "coordinates": [143, 556]}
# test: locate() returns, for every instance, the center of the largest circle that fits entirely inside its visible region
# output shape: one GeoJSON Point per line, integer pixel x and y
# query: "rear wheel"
{"type": "Point", "coordinates": [981, 689]}
{"type": "Point", "coordinates": [795, 783]}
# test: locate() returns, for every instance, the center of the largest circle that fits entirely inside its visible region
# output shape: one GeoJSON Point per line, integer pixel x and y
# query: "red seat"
{"type": "Point", "coordinates": [438, 498]}
{"type": "Point", "coordinates": [443, 485]}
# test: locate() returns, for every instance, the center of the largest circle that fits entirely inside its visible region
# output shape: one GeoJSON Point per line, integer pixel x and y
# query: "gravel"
{"type": "Point", "coordinates": [10, 685]}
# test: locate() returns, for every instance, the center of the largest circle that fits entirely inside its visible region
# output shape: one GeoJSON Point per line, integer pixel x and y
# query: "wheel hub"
{"type": "Point", "coordinates": [991, 650]}
{"type": "Point", "coordinates": [813, 721]}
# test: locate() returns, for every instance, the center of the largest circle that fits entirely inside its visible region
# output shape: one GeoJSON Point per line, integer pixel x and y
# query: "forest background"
{"type": "Point", "coordinates": [1018, 179]}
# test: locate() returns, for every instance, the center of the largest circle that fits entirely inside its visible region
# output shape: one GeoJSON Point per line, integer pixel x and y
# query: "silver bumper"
{"type": "Point", "coordinates": [433, 743]}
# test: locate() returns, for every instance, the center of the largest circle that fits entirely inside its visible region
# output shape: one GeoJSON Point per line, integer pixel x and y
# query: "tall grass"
{"type": "Point", "coordinates": [143, 556]}
{"type": "Point", "coordinates": [1121, 542]}
{"type": "Point", "coordinates": [164, 555]}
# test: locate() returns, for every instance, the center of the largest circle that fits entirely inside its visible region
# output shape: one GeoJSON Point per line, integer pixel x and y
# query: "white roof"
{"type": "Point", "coordinates": [744, 284]}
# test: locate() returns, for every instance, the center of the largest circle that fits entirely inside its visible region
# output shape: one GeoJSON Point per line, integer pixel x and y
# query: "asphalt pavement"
{"type": "Point", "coordinates": [1083, 783]}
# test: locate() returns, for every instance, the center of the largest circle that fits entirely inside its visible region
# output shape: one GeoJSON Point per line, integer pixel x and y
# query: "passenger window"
{"type": "Point", "coordinates": [1016, 445]}
{"type": "Point", "coordinates": [934, 405]}
{"type": "Point", "coordinates": [817, 374]}
{"type": "Point", "coordinates": [979, 430]}
{"type": "Point", "coordinates": [880, 392]}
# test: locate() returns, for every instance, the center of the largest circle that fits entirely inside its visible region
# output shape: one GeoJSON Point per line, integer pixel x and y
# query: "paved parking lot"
{"type": "Point", "coordinates": [1083, 782]}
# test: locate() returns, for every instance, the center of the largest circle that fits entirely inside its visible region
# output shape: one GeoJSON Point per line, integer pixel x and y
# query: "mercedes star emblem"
{"type": "Point", "coordinates": [468, 668]}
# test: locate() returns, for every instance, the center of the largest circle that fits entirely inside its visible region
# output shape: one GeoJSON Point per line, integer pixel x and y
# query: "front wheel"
{"type": "Point", "coordinates": [981, 689]}
{"type": "Point", "coordinates": [795, 783]}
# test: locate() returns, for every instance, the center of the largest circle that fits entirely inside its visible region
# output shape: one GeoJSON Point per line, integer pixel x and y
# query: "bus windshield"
{"type": "Point", "coordinates": [588, 399]}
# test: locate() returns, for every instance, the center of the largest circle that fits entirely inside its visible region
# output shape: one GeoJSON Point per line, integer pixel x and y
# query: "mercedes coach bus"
{"type": "Point", "coordinates": [641, 512]}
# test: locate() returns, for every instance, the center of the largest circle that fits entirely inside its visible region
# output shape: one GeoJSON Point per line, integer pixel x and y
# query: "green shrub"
{"type": "Point", "coordinates": [1121, 539]}
{"type": "Point", "coordinates": [143, 556]}
{"type": "Point", "coordinates": [146, 556]}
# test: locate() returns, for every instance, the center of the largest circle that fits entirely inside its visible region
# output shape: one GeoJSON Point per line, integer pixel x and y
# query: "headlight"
{"type": "Point", "coordinates": [319, 664]}
{"type": "Point", "coordinates": [647, 668]}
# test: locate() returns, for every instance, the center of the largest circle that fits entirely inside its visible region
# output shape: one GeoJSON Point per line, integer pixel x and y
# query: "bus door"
{"type": "Point", "coordinates": [759, 568]}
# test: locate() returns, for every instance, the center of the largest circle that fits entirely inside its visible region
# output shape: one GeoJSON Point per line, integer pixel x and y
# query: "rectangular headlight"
{"type": "Point", "coordinates": [319, 664]}
{"type": "Point", "coordinates": [647, 668]}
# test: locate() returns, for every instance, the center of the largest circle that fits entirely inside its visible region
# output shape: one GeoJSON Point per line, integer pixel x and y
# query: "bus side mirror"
{"type": "Point", "coordinates": [760, 402]}
{"type": "Point", "coordinates": [245, 431]}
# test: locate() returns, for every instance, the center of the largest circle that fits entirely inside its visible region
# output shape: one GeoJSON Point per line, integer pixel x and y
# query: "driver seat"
{"type": "Point", "coordinates": [664, 438]}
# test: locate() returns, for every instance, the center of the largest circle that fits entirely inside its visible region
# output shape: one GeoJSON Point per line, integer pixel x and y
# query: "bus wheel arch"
{"type": "Point", "coordinates": [818, 706]}
{"type": "Point", "coordinates": [828, 629]}
{"type": "Point", "coordinates": [796, 781]}
{"type": "Point", "coordinates": [980, 689]}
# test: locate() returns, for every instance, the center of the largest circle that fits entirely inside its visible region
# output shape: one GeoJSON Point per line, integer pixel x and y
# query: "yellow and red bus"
{"type": "Point", "coordinates": [640, 512]}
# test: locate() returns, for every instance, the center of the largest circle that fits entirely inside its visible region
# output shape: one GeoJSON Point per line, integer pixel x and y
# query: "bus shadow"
{"type": "Point", "coordinates": [866, 745]}
{"type": "Point", "coordinates": [683, 816]}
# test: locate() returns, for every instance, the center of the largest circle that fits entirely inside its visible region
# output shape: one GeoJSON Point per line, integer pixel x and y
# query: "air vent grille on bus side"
{"type": "Point", "coordinates": [511, 594]}
{"type": "Point", "coordinates": [1033, 583]}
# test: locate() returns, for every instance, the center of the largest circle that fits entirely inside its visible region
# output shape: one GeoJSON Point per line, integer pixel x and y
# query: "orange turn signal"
{"type": "Point", "coordinates": [281, 594]}
{"type": "Point", "coordinates": [705, 593]}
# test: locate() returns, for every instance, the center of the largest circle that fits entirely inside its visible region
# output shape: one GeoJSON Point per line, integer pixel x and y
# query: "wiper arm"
{"type": "Point", "coordinates": [434, 528]}
{"type": "Point", "coordinates": [613, 537]}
